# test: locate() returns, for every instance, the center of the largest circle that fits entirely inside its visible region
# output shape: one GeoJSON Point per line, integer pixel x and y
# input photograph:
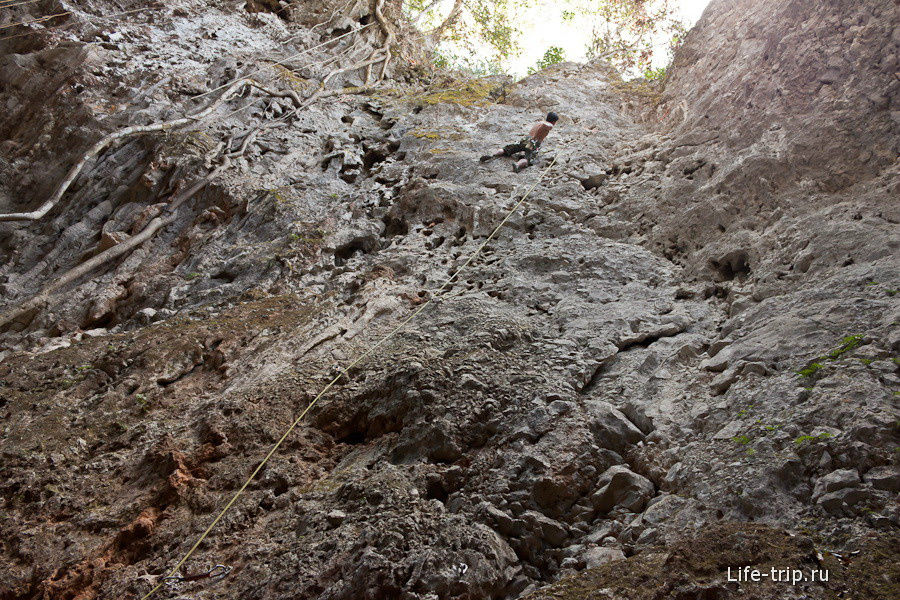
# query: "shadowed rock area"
{"type": "Point", "coordinates": [680, 355]}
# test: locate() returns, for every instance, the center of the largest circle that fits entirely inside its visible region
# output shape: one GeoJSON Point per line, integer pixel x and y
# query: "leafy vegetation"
{"type": "Point", "coordinates": [481, 36]}
{"type": "Point", "coordinates": [625, 32]}
{"type": "Point", "coordinates": [656, 74]}
{"type": "Point", "coordinates": [848, 344]}
{"type": "Point", "coordinates": [812, 438]}
{"type": "Point", "coordinates": [553, 56]}
{"type": "Point", "coordinates": [810, 370]}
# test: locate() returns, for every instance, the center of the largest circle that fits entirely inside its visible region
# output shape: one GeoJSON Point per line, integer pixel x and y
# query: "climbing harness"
{"type": "Point", "coordinates": [216, 573]}
{"type": "Point", "coordinates": [345, 372]}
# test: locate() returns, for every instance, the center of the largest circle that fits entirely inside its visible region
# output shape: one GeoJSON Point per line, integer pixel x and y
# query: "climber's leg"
{"type": "Point", "coordinates": [510, 149]}
{"type": "Point", "coordinates": [496, 154]}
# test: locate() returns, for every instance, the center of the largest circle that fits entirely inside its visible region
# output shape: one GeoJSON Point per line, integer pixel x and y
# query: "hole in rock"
{"type": "Point", "coordinates": [734, 265]}
{"type": "Point", "coordinates": [435, 491]}
{"type": "Point", "coordinates": [353, 438]}
{"type": "Point", "coordinates": [372, 157]}
{"type": "Point", "coordinates": [394, 226]}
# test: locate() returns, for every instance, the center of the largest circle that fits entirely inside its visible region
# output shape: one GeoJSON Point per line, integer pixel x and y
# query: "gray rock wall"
{"type": "Point", "coordinates": [688, 331]}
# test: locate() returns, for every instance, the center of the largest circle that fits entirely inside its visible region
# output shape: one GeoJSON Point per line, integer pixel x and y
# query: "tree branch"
{"type": "Point", "coordinates": [116, 251]}
{"type": "Point", "coordinates": [139, 130]}
{"type": "Point", "coordinates": [438, 31]}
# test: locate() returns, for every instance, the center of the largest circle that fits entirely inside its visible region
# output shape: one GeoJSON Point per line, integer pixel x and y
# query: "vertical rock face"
{"type": "Point", "coordinates": [680, 356]}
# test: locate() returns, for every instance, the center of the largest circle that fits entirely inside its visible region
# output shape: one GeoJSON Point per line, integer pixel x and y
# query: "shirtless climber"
{"type": "Point", "coordinates": [529, 144]}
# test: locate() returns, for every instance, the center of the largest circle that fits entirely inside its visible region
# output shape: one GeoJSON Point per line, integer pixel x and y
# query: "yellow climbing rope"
{"type": "Point", "coordinates": [345, 372]}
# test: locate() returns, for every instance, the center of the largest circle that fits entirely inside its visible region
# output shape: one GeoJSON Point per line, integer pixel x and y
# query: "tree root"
{"type": "Point", "coordinates": [141, 130]}
{"type": "Point", "coordinates": [388, 41]}
{"type": "Point", "coordinates": [121, 249]}
{"type": "Point", "coordinates": [380, 55]}
{"type": "Point", "coordinates": [43, 297]}
{"type": "Point", "coordinates": [109, 139]}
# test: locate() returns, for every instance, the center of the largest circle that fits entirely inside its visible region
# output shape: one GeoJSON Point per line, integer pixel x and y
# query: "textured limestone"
{"type": "Point", "coordinates": [617, 372]}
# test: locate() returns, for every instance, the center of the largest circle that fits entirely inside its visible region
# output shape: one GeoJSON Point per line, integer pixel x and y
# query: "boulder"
{"type": "Point", "coordinates": [552, 532]}
{"type": "Point", "coordinates": [599, 555]}
{"type": "Point", "coordinates": [835, 480]}
{"type": "Point", "coordinates": [620, 487]}
{"type": "Point", "coordinates": [885, 478]}
{"type": "Point", "coordinates": [611, 428]}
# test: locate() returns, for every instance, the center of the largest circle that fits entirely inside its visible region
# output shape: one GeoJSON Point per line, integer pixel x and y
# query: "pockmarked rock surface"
{"type": "Point", "coordinates": [680, 355]}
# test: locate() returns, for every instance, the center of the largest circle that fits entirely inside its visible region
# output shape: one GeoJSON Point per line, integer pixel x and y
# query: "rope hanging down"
{"type": "Point", "coordinates": [345, 373]}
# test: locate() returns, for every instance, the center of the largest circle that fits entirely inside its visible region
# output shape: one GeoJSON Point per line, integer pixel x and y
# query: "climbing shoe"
{"type": "Point", "coordinates": [486, 157]}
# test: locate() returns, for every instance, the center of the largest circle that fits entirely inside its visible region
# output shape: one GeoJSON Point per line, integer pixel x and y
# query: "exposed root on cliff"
{"type": "Point", "coordinates": [118, 250]}
{"type": "Point", "coordinates": [380, 55]}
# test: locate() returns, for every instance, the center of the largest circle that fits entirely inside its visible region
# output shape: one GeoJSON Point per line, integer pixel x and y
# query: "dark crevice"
{"type": "Point", "coordinates": [353, 438]}
{"type": "Point", "coordinates": [734, 265]}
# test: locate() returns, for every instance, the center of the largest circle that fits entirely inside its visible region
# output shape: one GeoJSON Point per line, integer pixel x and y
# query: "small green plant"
{"type": "Point", "coordinates": [810, 370]}
{"type": "Point", "coordinates": [552, 56]}
{"type": "Point", "coordinates": [848, 344]}
{"type": "Point", "coordinates": [866, 361]}
{"type": "Point", "coordinates": [142, 401]}
{"type": "Point", "coordinates": [655, 74]}
{"type": "Point", "coordinates": [812, 438]}
{"type": "Point", "coordinates": [741, 439]}
{"type": "Point", "coordinates": [751, 451]}
{"type": "Point", "coordinates": [191, 276]}
{"type": "Point", "coordinates": [892, 292]}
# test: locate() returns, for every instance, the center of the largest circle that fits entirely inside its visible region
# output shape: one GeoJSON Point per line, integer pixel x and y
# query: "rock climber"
{"type": "Point", "coordinates": [529, 144]}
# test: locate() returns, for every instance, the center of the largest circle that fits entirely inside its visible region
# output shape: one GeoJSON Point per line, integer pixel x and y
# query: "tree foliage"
{"type": "Point", "coordinates": [627, 33]}
{"type": "Point", "coordinates": [485, 24]}
{"type": "Point", "coordinates": [552, 56]}
{"type": "Point", "coordinates": [630, 33]}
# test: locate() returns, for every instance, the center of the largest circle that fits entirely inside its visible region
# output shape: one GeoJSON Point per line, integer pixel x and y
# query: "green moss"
{"type": "Point", "coordinates": [474, 92]}
{"type": "Point", "coordinates": [291, 78]}
{"type": "Point", "coordinates": [438, 134]}
{"type": "Point", "coordinates": [810, 370]}
{"type": "Point", "coordinates": [463, 92]}
{"type": "Point", "coordinates": [647, 90]}
{"type": "Point", "coordinates": [741, 439]}
{"type": "Point", "coordinates": [812, 438]}
{"type": "Point", "coordinates": [848, 344]}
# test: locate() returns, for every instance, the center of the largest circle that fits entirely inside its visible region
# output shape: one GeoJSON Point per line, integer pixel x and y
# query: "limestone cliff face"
{"type": "Point", "coordinates": [680, 356]}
